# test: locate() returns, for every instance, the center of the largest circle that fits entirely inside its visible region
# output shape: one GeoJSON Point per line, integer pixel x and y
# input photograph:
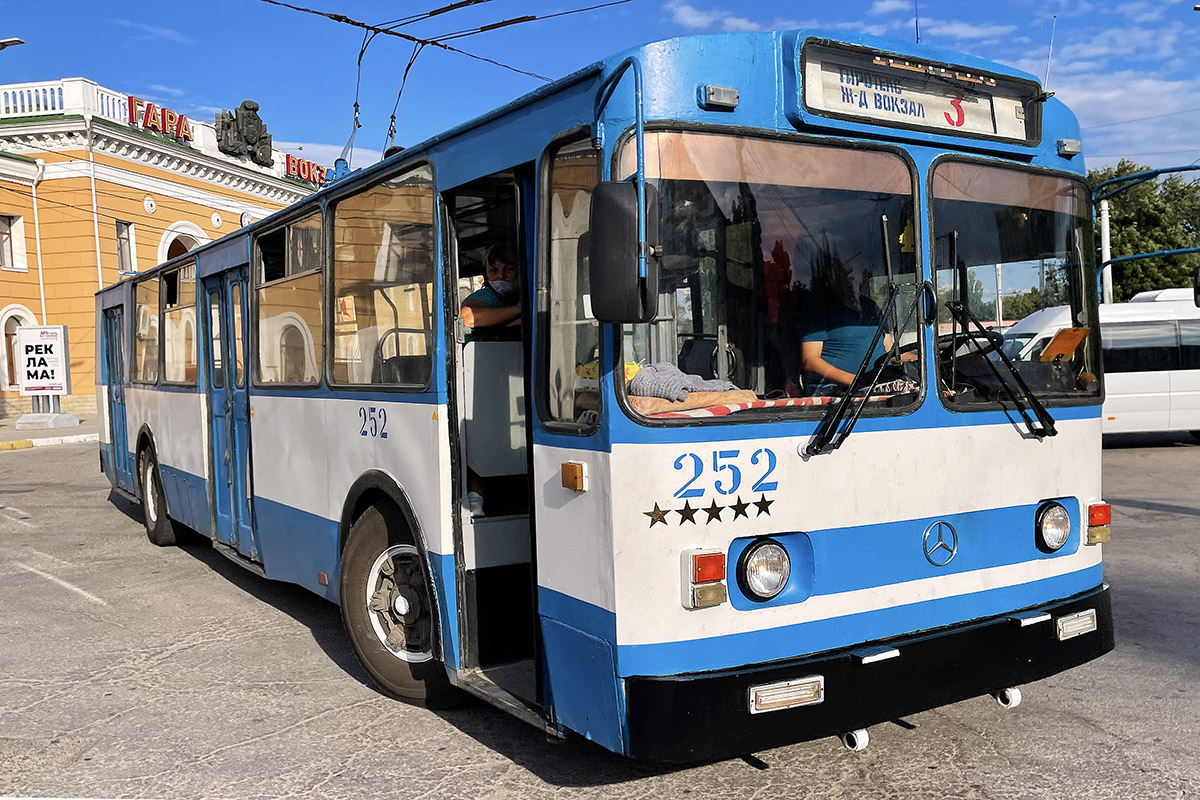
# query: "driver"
{"type": "Point", "coordinates": [833, 346]}
{"type": "Point", "coordinates": [497, 304]}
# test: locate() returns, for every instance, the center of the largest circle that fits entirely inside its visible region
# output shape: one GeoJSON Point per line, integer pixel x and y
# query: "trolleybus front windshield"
{"type": "Point", "coordinates": [1008, 242]}
{"type": "Point", "coordinates": [767, 248]}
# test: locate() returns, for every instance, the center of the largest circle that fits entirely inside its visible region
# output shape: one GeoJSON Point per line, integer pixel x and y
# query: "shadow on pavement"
{"type": "Point", "coordinates": [1120, 441]}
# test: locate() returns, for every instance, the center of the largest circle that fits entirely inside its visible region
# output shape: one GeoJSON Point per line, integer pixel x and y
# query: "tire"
{"type": "Point", "coordinates": [389, 615]}
{"type": "Point", "coordinates": [1195, 435]}
{"type": "Point", "coordinates": [159, 529]}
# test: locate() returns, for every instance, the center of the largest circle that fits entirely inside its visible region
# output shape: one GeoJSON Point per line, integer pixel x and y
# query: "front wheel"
{"type": "Point", "coordinates": [387, 607]}
{"type": "Point", "coordinates": [159, 528]}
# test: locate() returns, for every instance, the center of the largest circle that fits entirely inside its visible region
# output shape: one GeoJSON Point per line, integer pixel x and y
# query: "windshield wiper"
{"type": "Point", "coordinates": [1045, 427]}
{"type": "Point", "coordinates": [828, 438]}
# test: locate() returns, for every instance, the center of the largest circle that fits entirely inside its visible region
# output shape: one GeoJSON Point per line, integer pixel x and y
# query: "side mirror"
{"type": "Point", "coordinates": [618, 294]}
{"type": "Point", "coordinates": [1196, 287]}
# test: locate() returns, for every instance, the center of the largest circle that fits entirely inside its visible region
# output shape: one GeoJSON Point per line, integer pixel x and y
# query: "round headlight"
{"type": "Point", "coordinates": [1053, 527]}
{"type": "Point", "coordinates": [764, 569]}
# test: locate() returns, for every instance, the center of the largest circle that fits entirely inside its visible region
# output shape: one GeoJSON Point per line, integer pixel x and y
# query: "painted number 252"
{"type": "Point", "coordinates": [726, 473]}
{"type": "Point", "coordinates": [373, 422]}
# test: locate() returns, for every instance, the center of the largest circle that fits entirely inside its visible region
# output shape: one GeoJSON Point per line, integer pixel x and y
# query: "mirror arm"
{"type": "Point", "coordinates": [603, 95]}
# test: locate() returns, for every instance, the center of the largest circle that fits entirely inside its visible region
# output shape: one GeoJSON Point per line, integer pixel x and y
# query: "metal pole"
{"type": "Point", "coordinates": [1105, 254]}
{"type": "Point", "coordinates": [999, 300]}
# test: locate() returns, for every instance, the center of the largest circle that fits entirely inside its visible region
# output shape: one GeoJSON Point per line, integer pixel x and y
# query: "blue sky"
{"type": "Point", "coordinates": [1113, 61]}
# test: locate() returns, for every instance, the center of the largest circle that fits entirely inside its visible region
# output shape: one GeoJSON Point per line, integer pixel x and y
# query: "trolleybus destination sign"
{"type": "Point", "coordinates": [903, 93]}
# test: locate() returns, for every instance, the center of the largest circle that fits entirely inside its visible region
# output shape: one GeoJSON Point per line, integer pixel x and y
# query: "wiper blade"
{"type": "Point", "coordinates": [1045, 422]}
{"type": "Point", "coordinates": [828, 438]}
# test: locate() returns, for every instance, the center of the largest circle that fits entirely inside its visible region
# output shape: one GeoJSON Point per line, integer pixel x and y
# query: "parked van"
{"type": "Point", "coordinates": [1151, 357]}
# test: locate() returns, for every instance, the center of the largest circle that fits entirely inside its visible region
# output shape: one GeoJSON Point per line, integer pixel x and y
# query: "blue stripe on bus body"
{"type": "Point", "coordinates": [187, 497]}
{"type": "Point", "coordinates": [838, 560]}
{"type": "Point", "coordinates": [773, 644]}
{"type": "Point", "coordinates": [296, 544]}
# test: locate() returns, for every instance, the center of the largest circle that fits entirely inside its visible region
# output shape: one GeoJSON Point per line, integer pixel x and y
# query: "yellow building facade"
{"type": "Point", "coordinates": [95, 184]}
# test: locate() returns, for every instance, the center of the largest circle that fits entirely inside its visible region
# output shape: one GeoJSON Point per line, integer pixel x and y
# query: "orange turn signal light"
{"type": "Point", "coordinates": [708, 567]}
{"type": "Point", "coordinates": [1099, 514]}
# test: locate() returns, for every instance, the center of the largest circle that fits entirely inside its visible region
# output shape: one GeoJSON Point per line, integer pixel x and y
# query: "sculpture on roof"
{"type": "Point", "coordinates": [243, 133]}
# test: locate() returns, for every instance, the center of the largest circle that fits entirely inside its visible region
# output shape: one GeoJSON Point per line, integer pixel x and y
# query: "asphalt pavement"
{"type": "Point", "coordinates": [127, 670]}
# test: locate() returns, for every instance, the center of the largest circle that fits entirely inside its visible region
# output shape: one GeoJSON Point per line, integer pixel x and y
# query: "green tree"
{"type": "Point", "coordinates": [1162, 214]}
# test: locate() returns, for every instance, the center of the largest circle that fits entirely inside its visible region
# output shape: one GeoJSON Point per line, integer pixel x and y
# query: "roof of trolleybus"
{"type": "Point", "coordinates": [676, 67]}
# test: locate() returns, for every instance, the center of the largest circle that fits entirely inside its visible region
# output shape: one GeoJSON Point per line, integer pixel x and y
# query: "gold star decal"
{"type": "Point", "coordinates": [687, 513]}
{"type": "Point", "coordinates": [714, 512]}
{"type": "Point", "coordinates": [763, 505]}
{"type": "Point", "coordinates": [739, 508]}
{"type": "Point", "coordinates": [657, 515]}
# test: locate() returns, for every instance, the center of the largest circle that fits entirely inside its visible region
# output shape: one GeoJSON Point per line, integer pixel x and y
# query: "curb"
{"type": "Point", "coordinates": [24, 444]}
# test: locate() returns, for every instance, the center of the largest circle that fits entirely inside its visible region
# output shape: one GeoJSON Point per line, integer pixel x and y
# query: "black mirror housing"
{"type": "Point", "coordinates": [618, 294]}
{"type": "Point", "coordinates": [1196, 287]}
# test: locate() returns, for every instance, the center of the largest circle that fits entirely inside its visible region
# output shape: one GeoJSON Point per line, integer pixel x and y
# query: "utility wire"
{"type": "Point", "coordinates": [1140, 119]}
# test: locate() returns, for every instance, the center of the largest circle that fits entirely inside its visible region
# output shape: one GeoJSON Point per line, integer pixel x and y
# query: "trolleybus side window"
{"type": "Point", "coordinates": [179, 325]}
{"type": "Point", "coordinates": [775, 272]}
{"type": "Point", "coordinates": [1141, 346]}
{"type": "Point", "coordinates": [145, 331]}
{"type": "Point", "coordinates": [384, 266]}
{"type": "Point", "coordinates": [288, 263]}
{"type": "Point", "coordinates": [573, 376]}
{"type": "Point", "coordinates": [214, 316]}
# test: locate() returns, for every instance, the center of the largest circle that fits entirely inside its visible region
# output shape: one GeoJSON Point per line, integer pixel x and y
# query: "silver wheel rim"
{"type": "Point", "coordinates": [391, 601]}
{"type": "Point", "coordinates": [148, 497]}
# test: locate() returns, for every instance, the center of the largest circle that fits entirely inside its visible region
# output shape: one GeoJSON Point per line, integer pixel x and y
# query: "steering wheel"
{"type": "Point", "coordinates": [986, 341]}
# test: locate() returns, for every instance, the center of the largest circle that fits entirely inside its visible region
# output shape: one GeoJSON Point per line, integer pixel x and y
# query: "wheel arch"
{"type": "Point", "coordinates": [376, 486]}
{"type": "Point", "coordinates": [145, 441]}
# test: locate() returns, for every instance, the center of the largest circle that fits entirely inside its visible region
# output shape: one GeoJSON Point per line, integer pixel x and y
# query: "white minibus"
{"type": "Point", "coordinates": [1151, 352]}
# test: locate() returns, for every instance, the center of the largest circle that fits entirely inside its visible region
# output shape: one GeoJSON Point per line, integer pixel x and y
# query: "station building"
{"type": "Point", "coordinates": [95, 184]}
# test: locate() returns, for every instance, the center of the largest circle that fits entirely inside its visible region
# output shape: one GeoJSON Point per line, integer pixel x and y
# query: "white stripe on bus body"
{"type": "Point", "coordinates": [308, 452]}
{"type": "Point", "coordinates": [174, 419]}
{"type": "Point", "coordinates": [875, 478]}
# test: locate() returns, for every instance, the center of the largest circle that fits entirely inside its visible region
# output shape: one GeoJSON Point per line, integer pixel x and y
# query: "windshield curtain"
{"type": "Point", "coordinates": [772, 278]}
{"type": "Point", "coordinates": [1021, 242]}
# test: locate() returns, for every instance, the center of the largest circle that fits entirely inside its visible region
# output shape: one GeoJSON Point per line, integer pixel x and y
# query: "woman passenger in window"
{"type": "Point", "coordinates": [498, 303]}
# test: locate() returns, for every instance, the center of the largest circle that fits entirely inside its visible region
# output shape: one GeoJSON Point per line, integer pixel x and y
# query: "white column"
{"type": "Point", "coordinates": [1106, 291]}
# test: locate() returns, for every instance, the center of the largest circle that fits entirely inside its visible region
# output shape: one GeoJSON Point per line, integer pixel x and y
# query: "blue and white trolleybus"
{"type": "Point", "coordinates": [742, 467]}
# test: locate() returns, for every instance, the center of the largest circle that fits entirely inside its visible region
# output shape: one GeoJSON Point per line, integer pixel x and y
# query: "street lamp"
{"type": "Point", "coordinates": [10, 42]}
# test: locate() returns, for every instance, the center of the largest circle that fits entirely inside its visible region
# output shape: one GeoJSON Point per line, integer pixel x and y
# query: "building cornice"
{"type": "Point", "coordinates": [70, 133]}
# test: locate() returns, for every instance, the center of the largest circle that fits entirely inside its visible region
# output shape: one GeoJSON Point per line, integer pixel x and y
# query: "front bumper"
{"type": "Point", "coordinates": [705, 716]}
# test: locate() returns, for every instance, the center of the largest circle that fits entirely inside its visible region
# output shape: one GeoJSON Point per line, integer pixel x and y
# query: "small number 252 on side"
{"type": "Point", "coordinates": [372, 422]}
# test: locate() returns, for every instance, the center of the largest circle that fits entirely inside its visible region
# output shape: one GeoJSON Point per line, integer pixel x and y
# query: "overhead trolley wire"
{"type": "Point", "coordinates": [342, 18]}
{"type": "Point", "coordinates": [391, 135]}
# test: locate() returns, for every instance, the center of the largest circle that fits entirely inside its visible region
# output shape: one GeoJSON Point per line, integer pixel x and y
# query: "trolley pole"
{"type": "Point", "coordinates": [1105, 254]}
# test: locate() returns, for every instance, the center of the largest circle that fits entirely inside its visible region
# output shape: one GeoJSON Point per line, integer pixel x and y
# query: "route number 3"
{"type": "Point", "coordinates": [373, 422]}
{"type": "Point", "coordinates": [727, 474]}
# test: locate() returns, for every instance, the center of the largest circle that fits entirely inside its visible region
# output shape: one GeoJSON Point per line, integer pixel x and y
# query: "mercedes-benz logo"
{"type": "Point", "coordinates": [940, 543]}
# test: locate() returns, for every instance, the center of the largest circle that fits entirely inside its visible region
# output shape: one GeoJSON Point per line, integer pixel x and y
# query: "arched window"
{"type": "Point", "coordinates": [11, 318]}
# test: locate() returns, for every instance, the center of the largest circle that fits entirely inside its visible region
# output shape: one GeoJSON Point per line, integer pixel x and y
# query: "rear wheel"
{"type": "Point", "coordinates": [1195, 435]}
{"type": "Point", "coordinates": [154, 503]}
{"type": "Point", "coordinates": [388, 610]}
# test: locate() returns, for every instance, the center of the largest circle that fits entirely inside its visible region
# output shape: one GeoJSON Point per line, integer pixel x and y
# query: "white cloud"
{"type": "Point", "coordinates": [889, 6]}
{"type": "Point", "coordinates": [153, 32]}
{"type": "Point", "coordinates": [956, 29]}
{"type": "Point", "coordinates": [173, 92]}
{"type": "Point", "coordinates": [690, 17]}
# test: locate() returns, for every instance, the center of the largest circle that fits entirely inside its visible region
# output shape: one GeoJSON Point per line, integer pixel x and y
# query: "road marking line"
{"type": "Point", "coordinates": [90, 597]}
{"type": "Point", "coordinates": [55, 559]}
{"type": "Point", "coordinates": [17, 515]}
